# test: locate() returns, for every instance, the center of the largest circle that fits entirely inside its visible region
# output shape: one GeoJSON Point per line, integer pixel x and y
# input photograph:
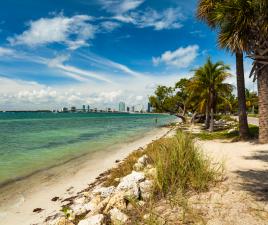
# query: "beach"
{"type": "Point", "coordinates": [19, 199]}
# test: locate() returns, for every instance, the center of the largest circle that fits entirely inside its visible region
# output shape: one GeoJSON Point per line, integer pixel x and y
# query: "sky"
{"type": "Point", "coordinates": [56, 53]}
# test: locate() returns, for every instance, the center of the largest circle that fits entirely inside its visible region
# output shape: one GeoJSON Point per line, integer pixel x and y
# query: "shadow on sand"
{"type": "Point", "coordinates": [256, 181]}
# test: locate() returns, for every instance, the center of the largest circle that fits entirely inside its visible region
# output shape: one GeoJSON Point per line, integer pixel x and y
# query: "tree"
{"type": "Point", "coordinates": [209, 11]}
{"type": "Point", "coordinates": [246, 22]}
{"type": "Point", "coordinates": [208, 84]}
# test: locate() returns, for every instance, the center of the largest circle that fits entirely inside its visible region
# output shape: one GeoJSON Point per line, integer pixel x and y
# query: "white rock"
{"type": "Point", "coordinates": [145, 188]}
{"type": "Point", "coordinates": [143, 160]}
{"type": "Point", "coordinates": [92, 220]}
{"type": "Point", "coordinates": [104, 192]}
{"type": "Point", "coordinates": [128, 181]}
{"type": "Point", "coordinates": [118, 216]}
{"type": "Point", "coordinates": [80, 200]}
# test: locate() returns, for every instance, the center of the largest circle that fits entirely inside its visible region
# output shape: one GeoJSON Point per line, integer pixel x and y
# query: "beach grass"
{"type": "Point", "coordinates": [227, 134]}
{"type": "Point", "coordinates": [181, 165]}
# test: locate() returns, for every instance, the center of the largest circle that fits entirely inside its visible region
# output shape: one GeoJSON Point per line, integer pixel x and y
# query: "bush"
{"type": "Point", "coordinates": [180, 165]}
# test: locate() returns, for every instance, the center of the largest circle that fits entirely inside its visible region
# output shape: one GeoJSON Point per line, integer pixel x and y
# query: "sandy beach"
{"type": "Point", "coordinates": [19, 199]}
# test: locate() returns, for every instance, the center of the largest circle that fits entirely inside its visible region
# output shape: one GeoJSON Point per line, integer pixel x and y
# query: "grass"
{"type": "Point", "coordinates": [180, 165]}
{"type": "Point", "coordinates": [253, 115]}
{"type": "Point", "coordinates": [226, 134]}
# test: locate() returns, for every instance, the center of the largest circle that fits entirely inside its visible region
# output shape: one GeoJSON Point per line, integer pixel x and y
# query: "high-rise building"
{"type": "Point", "coordinates": [73, 109]}
{"type": "Point", "coordinates": [133, 109]}
{"type": "Point", "coordinates": [88, 108]}
{"type": "Point", "coordinates": [128, 109]}
{"type": "Point", "coordinates": [122, 107]}
{"type": "Point", "coordinates": [149, 107]}
{"type": "Point", "coordinates": [84, 108]}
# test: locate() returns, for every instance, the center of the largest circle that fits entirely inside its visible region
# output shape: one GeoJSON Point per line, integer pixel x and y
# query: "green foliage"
{"type": "Point", "coordinates": [180, 165]}
{"type": "Point", "coordinates": [226, 134]}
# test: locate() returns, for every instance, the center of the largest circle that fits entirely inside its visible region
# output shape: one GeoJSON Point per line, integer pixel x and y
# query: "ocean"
{"type": "Point", "coordinates": [34, 141]}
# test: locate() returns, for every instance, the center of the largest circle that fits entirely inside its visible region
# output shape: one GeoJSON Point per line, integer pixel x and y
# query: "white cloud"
{"type": "Point", "coordinates": [108, 26]}
{"type": "Point", "coordinates": [120, 6]}
{"type": "Point", "coordinates": [74, 72]}
{"type": "Point", "coordinates": [181, 58]}
{"type": "Point", "coordinates": [6, 51]}
{"type": "Point", "coordinates": [73, 31]}
{"type": "Point", "coordinates": [167, 19]}
{"type": "Point", "coordinates": [25, 95]}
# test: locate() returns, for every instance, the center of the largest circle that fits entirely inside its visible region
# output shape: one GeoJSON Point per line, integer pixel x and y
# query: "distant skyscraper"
{"type": "Point", "coordinates": [73, 109]}
{"type": "Point", "coordinates": [84, 108]}
{"type": "Point", "coordinates": [149, 107]}
{"type": "Point", "coordinates": [128, 109]}
{"type": "Point", "coordinates": [122, 107]}
{"type": "Point", "coordinates": [133, 109]}
{"type": "Point", "coordinates": [88, 108]}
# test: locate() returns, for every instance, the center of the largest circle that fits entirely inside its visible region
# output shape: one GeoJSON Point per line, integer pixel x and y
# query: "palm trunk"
{"type": "Point", "coordinates": [242, 112]}
{"type": "Point", "coordinates": [207, 116]}
{"type": "Point", "coordinates": [263, 105]}
{"type": "Point", "coordinates": [211, 127]}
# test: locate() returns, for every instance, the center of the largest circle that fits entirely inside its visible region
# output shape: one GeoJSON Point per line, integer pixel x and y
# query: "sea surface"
{"type": "Point", "coordinates": [33, 141]}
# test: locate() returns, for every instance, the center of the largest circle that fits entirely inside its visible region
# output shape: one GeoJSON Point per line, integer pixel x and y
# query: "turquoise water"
{"type": "Point", "coordinates": [33, 141]}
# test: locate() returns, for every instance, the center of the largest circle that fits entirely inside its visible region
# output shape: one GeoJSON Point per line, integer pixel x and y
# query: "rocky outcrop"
{"type": "Point", "coordinates": [112, 203]}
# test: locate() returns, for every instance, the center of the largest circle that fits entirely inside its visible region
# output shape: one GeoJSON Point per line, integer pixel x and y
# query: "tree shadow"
{"type": "Point", "coordinates": [256, 181]}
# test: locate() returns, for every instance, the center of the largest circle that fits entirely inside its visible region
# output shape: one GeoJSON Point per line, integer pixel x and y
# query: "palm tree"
{"type": "Point", "coordinates": [208, 11]}
{"type": "Point", "coordinates": [208, 83]}
{"type": "Point", "coordinates": [245, 24]}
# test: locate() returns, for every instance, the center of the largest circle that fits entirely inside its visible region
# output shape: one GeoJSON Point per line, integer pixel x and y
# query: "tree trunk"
{"type": "Point", "coordinates": [263, 105]}
{"type": "Point", "coordinates": [211, 126]}
{"type": "Point", "coordinates": [207, 116]}
{"type": "Point", "coordinates": [242, 112]}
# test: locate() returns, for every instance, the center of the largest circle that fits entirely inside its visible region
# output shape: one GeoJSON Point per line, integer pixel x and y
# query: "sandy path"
{"type": "Point", "coordinates": [246, 163]}
{"type": "Point", "coordinates": [17, 207]}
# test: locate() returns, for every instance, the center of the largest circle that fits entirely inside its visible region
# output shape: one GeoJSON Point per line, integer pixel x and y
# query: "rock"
{"type": "Point", "coordinates": [63, 221]}
{"type": "Point", "coordinates": [38, 210]}
{"type": "Point", "coordinates": [146, 188]}
{"type": "Point", "coordinates": [93, 220]}
{"type": "Point", "coordinates": [55, 199]}
{"type": "Point", "coordinates": [141, 163]}
{"type": "Point", "coordinates": [117, 216]}
{"type": "Point", "coordinates": [118, 200]}
{"type": "Point", "coordinates": [143, 160]}
{"type": "Point", "coordinates": [104, 192]}
{"type": "Point", "coordinates": [151, 172]}
{"type": "Point", "coordinates": [130, 180]}
{"type": "Point", "coordinates": [80, 200]}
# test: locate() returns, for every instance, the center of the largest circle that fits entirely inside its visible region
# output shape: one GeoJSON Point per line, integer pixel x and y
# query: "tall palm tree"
{"type": "Point", "coordinates": [208, 82]}
{"type": "Point", "coordinates": [244, 23]}
{"type": "Point", "coordinates": [207, 11]}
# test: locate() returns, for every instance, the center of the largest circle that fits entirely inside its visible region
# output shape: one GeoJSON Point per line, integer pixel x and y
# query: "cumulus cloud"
{"type": "Point", "coordinates": [181, 57]}
{"type": "Point", "coordinates": [73, 31]}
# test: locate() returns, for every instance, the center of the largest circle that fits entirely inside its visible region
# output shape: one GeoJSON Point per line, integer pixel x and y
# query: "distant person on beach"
{"type": "Point", "coordinates": [155, 120]}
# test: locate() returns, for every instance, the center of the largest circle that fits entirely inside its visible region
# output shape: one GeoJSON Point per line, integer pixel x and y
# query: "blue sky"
{"type": "Point", "coordinates": [56, 53]}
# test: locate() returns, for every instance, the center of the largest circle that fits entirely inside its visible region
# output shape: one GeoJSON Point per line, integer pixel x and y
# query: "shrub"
{"type": "Point", "coordinates": [180, 165]}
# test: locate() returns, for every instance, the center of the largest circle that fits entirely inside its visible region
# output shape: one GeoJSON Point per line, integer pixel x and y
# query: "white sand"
{"type": "Point", "coordinates": [18, 200]}
{"type": "Point", "coordinates": [246, 163]}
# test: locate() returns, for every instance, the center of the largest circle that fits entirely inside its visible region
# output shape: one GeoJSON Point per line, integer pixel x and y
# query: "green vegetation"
{"type": "Point", "coordinates": [228, 134]}
{"type": "Point", "coordinates": [180, 165]}
{"type": "Point", "coordinates": [242, 27]}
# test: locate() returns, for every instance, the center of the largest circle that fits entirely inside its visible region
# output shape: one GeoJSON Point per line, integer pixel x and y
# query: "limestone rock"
{"type": "Point", "coordinates": [63, 221]}
{"type": "Point", "coordinates": [117, 216]}
{"type": "Point", "coordinates": [129, 181]}
{"type": "Point", "coordinates": [141, 162]}
{"type": "Point", "coordinates": [104, 192]}
{"type": "Point", "coordinates": [93, 220]}
{"type": "Point", "coordinates": [118, 200]}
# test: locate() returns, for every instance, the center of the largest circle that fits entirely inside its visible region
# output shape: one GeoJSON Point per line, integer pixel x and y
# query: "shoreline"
{"type": "Point", "coordinates": [20, 198]}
